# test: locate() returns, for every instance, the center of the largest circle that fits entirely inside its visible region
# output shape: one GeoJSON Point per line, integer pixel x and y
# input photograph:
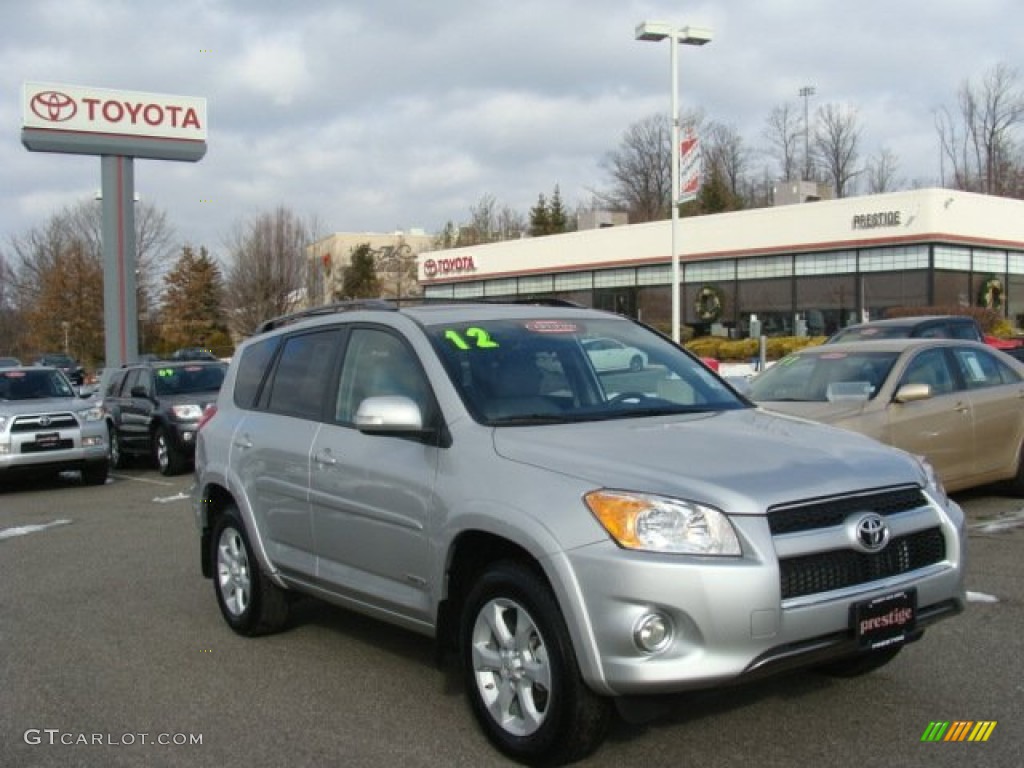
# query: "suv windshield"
{"type": "Point", "coordinates": [33, 385]}
{"type": "Point", "coordinates": [547, 371]}
{"type": "Point", "coordinates": [187, 379]}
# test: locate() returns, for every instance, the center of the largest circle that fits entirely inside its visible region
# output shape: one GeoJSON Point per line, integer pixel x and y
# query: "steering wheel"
{"type": "Point", "coordinates": [622, 397]}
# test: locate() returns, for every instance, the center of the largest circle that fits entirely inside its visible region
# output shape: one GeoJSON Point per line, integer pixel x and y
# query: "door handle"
{"type": "Point", "coordinates": [962, 407]}
{"type": "Point", "coordinates": [243, 442]}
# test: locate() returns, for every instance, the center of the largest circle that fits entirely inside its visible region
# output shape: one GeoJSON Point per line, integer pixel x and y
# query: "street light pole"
{"type": "Point", "coordinates": [654, 31]}
{"type": "Point", "coordinates": [806, 92]}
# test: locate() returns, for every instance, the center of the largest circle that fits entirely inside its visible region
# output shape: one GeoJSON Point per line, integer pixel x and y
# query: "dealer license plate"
{"type": "Point", "coordinates": [885, 620]}
{"type": "Point", "coordinates": [47, 441]}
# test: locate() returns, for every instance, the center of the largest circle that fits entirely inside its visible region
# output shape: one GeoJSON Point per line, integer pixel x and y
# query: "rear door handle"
{"type": "Point", "coordinates": [243, 442]}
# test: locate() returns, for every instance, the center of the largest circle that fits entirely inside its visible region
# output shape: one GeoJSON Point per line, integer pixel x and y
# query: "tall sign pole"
{"type": "Point", "coordinates": [118, 126]}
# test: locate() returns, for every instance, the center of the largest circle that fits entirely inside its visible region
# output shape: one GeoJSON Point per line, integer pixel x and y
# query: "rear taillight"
{"type": "Point", "coordinates": [208, 413]}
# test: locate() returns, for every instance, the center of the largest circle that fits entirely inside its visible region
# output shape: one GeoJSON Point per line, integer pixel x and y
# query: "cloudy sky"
{"type": "Point", "coordinates": [380, 115]}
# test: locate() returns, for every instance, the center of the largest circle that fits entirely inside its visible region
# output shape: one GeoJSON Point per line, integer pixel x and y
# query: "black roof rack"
{"type": "Point", "coordinates": [394, 305]}
{"type": "Point", "coordinates": [327, 309]}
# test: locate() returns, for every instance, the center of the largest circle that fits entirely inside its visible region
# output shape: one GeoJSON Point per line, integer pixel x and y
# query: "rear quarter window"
{"type": "Point", "coordinates": [252, 369]}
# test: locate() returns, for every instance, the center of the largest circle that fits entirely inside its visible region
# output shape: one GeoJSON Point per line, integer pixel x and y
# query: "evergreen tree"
{"type": "Point", "coordinates": [361, 275]}
{"type": "Point", "coordinates": [557, 218]}
{"type": "Point", "coordinates": [540, 220]}
{"type": "Point", "coordinates": [192, 308]}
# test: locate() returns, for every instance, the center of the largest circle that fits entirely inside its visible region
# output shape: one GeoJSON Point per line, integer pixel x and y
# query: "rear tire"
{"type": "Point", "coordinates": [1016, 484]}
{"type": "Point", "coordinates": [862, 664]}
{"type": "Point", "coordinates": [520, 670]}
{"type": "Point", "coordinates": [249, 601]}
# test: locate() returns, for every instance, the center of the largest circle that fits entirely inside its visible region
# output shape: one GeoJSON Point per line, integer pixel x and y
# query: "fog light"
{"type": "Point", "coordinates": [653, 633]}
{"type": "Point", "coordinates": [186, 437]}
{"type": "Point", "coordinates": [91, 441]}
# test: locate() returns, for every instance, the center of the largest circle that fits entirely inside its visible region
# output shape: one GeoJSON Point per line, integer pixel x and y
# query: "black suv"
{"type": "Point", "coordinates": [925, 327]}
{"type": "Point", "coordinates": [153, 409]}
{"type": "Point", "coordinates": [66, 363]}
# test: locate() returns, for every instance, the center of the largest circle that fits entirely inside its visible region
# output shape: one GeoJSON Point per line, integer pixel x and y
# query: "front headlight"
{"type": "Point", "coordinates": [187, 412]}
{"type": "Point", "coordinates": [660, 524]}
{"type": "Point", "coordinates": [93, 413]}
{"type": "Point", "coordinates": [933, 484]}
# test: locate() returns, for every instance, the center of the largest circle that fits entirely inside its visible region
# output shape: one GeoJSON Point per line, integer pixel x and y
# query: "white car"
{"type": "Point", "coordinates": [613, 355]}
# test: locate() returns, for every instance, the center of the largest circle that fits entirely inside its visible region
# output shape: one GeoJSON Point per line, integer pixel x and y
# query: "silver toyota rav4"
{"type": "Point", "coordinates": [578, 536]}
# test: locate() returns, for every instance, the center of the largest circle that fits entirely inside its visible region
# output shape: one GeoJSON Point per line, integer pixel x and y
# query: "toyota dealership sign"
{"type": "Point", "coordinates": [86, 120]}
{"type": "Point", "coordinates": [119, 126]}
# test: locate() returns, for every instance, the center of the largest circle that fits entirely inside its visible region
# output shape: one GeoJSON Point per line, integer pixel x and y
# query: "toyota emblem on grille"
{"type": "Point", "coordinates": [871, 533]}
{"type": "Point", "coordinates": [44, 421]}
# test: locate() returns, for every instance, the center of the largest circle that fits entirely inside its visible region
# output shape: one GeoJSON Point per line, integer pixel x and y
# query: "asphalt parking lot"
{"type": "Point", "coordinates": [114, 654]}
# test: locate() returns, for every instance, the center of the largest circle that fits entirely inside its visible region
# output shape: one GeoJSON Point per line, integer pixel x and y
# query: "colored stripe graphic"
{"type": "Point", "coordinates": [982, 730]}
{"type": "Point", "coordinates": [959, 730]}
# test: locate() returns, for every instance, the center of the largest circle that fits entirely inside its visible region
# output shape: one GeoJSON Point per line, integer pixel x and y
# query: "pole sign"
{"type": "Point", "coordinates": [690, 162]}
{"type": "Point", "coordinates": [118, 126]}
{"type": "Point", "coordinates": [99, 121]}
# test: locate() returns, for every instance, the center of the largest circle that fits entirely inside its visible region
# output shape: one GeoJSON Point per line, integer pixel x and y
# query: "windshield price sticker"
{"type": "Point", "coordinates": [470, 338]}
{"type": "Point", "coordinates": [552, 326]}
{"type": "Point", "coordinates": [165, 372]}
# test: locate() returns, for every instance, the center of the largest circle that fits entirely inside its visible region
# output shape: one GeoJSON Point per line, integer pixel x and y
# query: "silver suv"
{"type": "Point", "coordinates": [46, 427]}
{"type": "Point", "coordinates": [578, 536]}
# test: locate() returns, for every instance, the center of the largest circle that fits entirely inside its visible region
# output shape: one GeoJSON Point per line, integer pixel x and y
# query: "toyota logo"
{"type": "Point", "coordinates": [871, 533]}
{"type": "Point", "coordinates": [430, 268]}
{"type": "Point", "coordinates": [53, 106]}
{"type": "Point", "coordinates": [44, 421]}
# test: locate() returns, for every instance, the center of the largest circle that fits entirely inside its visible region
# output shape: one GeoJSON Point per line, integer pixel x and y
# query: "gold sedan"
{"type": "Point", "coordinates": [960, 404]}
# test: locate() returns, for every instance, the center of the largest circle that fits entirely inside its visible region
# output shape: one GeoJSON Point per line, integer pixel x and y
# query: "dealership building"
{"type": "Point", "coordinates": [793, 269]}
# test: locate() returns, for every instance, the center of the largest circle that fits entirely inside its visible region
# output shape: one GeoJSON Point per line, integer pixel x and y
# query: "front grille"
{"type": "Point", "coordinates": [824, 513]}
{"type": "Point", "coordinates": [33, 423]}
{"type": "Point", "coordinates": [836, 569]}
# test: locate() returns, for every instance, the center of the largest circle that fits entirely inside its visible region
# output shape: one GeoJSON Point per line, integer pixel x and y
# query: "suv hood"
{"type": "Point", "coordinates": [742, 462]}
{"type": "Point", "coordinates": [44, 405]}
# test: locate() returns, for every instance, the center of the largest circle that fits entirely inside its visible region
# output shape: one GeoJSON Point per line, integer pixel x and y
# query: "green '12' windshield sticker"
{"type": "Point", "coordinates": [480, 339]}
{"type": "Point", "coordinates": [165, 372]}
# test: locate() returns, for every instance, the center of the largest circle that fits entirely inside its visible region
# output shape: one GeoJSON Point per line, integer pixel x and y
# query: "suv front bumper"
{"type": "Point", "coordinates": [727, 616]}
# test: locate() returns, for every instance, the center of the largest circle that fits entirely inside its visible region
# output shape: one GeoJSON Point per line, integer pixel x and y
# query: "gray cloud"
{"type": "Point", "coordinates": [373, 116]}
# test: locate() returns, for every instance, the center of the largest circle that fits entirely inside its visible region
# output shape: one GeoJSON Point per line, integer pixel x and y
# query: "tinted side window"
{"type": "Point", "coordinates": [252, 367]}
{"type": "Point", "coordinates": [981, 369]}
{"type": "Point", "coordinates": [301, 379]}
{"type": "Point", "coordinates": [378, 363]}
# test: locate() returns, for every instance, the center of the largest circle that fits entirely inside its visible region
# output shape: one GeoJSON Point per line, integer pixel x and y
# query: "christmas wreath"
{"type": "Point", "coordinates": [709, 304]}
{"type": "Point", "coordinates": [991, 293]}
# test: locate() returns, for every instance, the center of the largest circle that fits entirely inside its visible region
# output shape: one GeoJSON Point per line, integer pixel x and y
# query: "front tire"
{"type": "Point", "coordinates": [95, 473]}
{"type": "Point", "coordinates": [249, 601]}
{"type": "Point", "coordinates": [169, 459]}
{"type": "Point", "coordinates": [117, 458]}
{"type": "Point", "coordinates": [520, 670]}
{"type": "Point", "coordinates": [636, 363]}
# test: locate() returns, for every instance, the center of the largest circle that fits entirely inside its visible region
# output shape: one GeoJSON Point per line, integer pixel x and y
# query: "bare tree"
{"type": "Point", "coordinates": [71, 242]}
{"type": "Point", "coordinates": [783, 130]}
{"type": "Point", "coordinates": [979, 142]}
{"type": "Point", "coordinates": [881, 172]}
{"type": "Point", "coordinates": [836, 143]}
{"type": "Point", "coordinates": [641, 171]}
{"type": "Point", "coordinates": [268, 268]}
{"type": "Point", "coordinates": [725, 150]}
